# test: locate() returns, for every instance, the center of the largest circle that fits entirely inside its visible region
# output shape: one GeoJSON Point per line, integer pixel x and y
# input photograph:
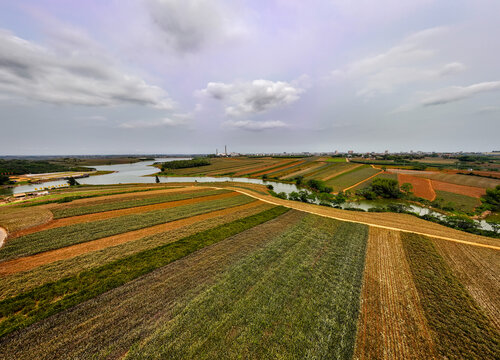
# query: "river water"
{"type": "Point", "coordinates": [138, 173]}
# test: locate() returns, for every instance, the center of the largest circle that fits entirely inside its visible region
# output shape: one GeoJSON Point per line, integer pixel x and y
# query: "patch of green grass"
{"type": "Point", "coordinates": [336, 160]}
{"type": "Point", "coordinates": [297, 298]}
{"type": "Point", "coordinates": [74, 234]}
{"type": "Point", "coordinates": [129, 203]}
{"type": "Point", "coordinates": [351, 177]}
{"type": "Point", "coordinates": [27, 308]}
{"type": "Point", "coordinates": [459, 202]}
{"type": "Point", "coordinates": [459, 327]}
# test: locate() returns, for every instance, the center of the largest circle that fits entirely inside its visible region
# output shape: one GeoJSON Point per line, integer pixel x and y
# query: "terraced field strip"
{"type": "Point", "coordinates": [3, 236]}
{"type": "Point", "coordinates": [105, 204]}
{"type": "Point", "coordinates": [459, 327]}
{"type": "Point", "coordinates": [280, 168]}
{"type": "Point", "coordinates": [296, 298]}
{"type": "Point", "coordinates": [312, 174]}
{"type": "Point", "coordinates": [392, 324]}
{"type": "Point", "coordinates": [364, 180]}
{"type": "Point", "coordinates": [479, 271]}
{"type": "Point", "coordinates": [67, 221]}
{"type": "Point", "coordinates": [78, 233]}
{"type": "Point", "coordinates": [306, 169]}
{"type": "Point", "coordinates": [258, 167]}
{"type": "Point", "coordinates": [390, 221]}
{"type": "Point", "coordinates": [421, 187]}
{"type": "Point", "coordinates": [39, 303]}
{"type": "Point", "coordinates": [458, 189]}
{"type": "Point", "coordinates": [465, 180]}
{"type": "Point", "coordinates": [138, 205]}
{"type": "Point", "coordinates": [291, 169]}
{"type": "Point", "coordinates": [106, 326]}
{"type": "Point", "coordinates": [281, 165]}
{"type": "Point", "coordinates": [30, 262]}
{"type": "Point", "coordinates": [345, 167]}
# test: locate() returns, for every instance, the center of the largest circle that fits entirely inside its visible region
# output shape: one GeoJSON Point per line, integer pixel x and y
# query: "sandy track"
{"type": "Point", "coordinates": [116, 213]}
{"type": "Point", "coordinates": [458, 189]}
{"type": "Point", "coordinates": [390, 221]}
{"type": "Point", "coordinates": [3, 236]}
{"type": "Point", "coordinates": [392, 323]}
{"type": "Point", "coordinates": [422, 187]}
{"type": "Point", "coordinates": [30, 262]}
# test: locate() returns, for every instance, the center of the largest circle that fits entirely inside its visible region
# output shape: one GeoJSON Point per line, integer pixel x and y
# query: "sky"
{"type": "Point", "coordinates": [190, 76]}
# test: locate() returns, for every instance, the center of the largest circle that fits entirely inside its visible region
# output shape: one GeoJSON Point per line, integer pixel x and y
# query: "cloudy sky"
{"type": "Point", "coordinates": [188, 76]}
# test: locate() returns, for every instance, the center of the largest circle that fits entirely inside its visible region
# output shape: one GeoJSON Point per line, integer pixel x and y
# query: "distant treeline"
{"type": "Point", "coordinates": [19, 167]}
{"type": "Point", "coordinates": [182, 164]}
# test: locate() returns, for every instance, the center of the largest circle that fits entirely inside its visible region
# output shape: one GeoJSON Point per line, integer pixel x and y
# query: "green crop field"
{"type": "Point", "coordinates": [458, 201]}
{"type": "Point", "coordinates": [351, 177]}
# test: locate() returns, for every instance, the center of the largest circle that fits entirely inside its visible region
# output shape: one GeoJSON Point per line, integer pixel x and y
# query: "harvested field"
{"type": "Point", "coordinates": [460, 202]}
{"type": "Point", "coordinates": [13, 284]}
{"type": "Point", "coordinates": [276, 167]}
{"type": "Point", "coordinates": [479, 271]}
{"type": "Point", "coordinates": [30, 262]}
{"type": "Point", "coordinates": [458, 325]}
{"type": "Point", "coordinates": [73, 234]}
{"type": "Point", "coordinates": [15, 218]}
{"type": "Point", "coordinates": [392, 324]}
{"type": "Point", "coordinates": [392, 221]}
{"type": "Point", "coordinates": [109, 324]}
{"type": "Point", "coordinates": [275, 303]}
{"type": "Point", "coordinates": [465, 180]}
{"type": "Point", "coordinates": [421, 187]}
{"type": "Point", "coordinates": [458, 189]}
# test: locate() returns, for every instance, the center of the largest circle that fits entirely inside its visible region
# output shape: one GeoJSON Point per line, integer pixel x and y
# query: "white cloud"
{"type": "Point", "coordinates": [188, 25]}
{"type": "Point", "coordinates": [405, 63]}
{"type": "Point", "coordinates": [457, 93]}
{"type": "Point", "coordinates": [247, 98]}
{"type": "Point", "coordinates": [70, 75]}
{"type": "Point", "coordinates": [256, 125]}
{"type": "Point", "coordinates": [141, 124]}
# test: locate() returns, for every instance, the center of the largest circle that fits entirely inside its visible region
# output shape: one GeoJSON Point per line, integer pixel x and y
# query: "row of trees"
{"type": "Point", "coordinates": [182, 164]}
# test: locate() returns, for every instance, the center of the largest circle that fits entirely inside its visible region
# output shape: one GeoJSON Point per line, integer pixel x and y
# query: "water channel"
{"type": "Point", "coordinates": [139, 173]}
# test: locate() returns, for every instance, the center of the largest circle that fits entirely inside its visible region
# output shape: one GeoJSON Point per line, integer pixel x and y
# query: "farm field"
{"type": "Point", "coordinates": [420, 187]}
{"type": "Point", "coordinates": [457, 179]}
{"type": "Point", "coordinates": [460, 202]}
{"type": "Point", "coordinates": [197, 272]}
{"type": "Point", "coordinates": [471, 191]}
{"type": "Point", "coordinates": [382, 175]}
{"type": "Point", "coordinates": [352, 177]}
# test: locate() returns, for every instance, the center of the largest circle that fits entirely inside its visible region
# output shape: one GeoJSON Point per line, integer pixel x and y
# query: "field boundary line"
{"type": "Point", "coordinates": [340, 173]}
{"type": "Point", "coordinates": [289, 203]}
{"type": "Point", "coordinates": [362, 181]}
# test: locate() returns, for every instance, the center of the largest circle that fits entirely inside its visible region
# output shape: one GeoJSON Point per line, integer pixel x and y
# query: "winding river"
{"type": "Point", "coordinates": [138, 173]}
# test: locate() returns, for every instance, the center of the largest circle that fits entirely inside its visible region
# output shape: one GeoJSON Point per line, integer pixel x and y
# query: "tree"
{"type": "Point", "coordinates": [491, 200]}
{"type": "Point", "coordinates": [298, 180]}
{"type": "Point", "coordinates": [72, 181]}
{"type": "Point", "coordinates": [4, 179]}
{"type": "Point", "coordinates": [407, 188]}
{"type": "Point", "coordinates": [386, 188]}
{"type": "Point", "coordinates": [270, 187]}
{"type": "Point", "coordinates": [157, 179]}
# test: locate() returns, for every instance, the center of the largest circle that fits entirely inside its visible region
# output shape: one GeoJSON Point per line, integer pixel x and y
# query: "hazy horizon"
{"type": "Point", "coordinates": [187, 77]}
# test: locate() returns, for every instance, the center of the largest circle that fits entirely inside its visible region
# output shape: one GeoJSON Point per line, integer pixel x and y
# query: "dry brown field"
{"type": "Point", "coordinates": [392, 323]}
{"type": "Point", "coordinates": [421, 187]}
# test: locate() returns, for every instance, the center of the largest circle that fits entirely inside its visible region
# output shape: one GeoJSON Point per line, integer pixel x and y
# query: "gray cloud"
{"type": "Point", "coordinates": [141, 124]}
{"type": "Point", "coordinates": [71, 76]}
{"type": "Point", "coordinates": [247, 98]}
{"type": "Point", "coordinates": [256, 125]}
{"type": "Point", "coordinates": [457, 93]}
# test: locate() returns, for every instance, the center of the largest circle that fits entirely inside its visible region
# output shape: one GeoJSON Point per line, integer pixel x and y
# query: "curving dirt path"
{"type": "Point", "coordinates": [390, 221]}
{"type": "Point", "coordinates": [3, 236]}
{"type": "Point", "coordinates": [116, 213]}
{"type": "Point", "coordinates": [30, 262]}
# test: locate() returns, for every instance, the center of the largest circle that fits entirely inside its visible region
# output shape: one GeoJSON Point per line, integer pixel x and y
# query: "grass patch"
{"type": "Point", "coordinates": [459, 202]}
{"type": "Point", "coordinates": [459, 327]}
{"type": "Point", "coordinates": [27, 308]}
{"type": "Point", "coordinates": [74, 234]}
{"type": "Point", "coordinates": [129, 203]}
{"type": "Point", "coordinates": [351, 177]}
{"type": "Point", "coordinates": [296, 298]}
{"type": "Point", "coordinates": [336, 160]}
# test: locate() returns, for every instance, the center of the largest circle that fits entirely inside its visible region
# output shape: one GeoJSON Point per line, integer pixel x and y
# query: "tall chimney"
{"type": "Point", "coordinates": [225, 149]}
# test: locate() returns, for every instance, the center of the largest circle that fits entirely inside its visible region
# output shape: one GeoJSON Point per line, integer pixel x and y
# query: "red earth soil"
{"type": "Point", "coordinates": [458, 189]}
{"type": "Point", "coordinates": [421, 187]}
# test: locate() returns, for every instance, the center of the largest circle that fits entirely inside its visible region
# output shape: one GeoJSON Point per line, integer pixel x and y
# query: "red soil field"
{"type": "Point", "coordinates": [421, 187]}
{"type": "Point", "coordinates": [458, 189]}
